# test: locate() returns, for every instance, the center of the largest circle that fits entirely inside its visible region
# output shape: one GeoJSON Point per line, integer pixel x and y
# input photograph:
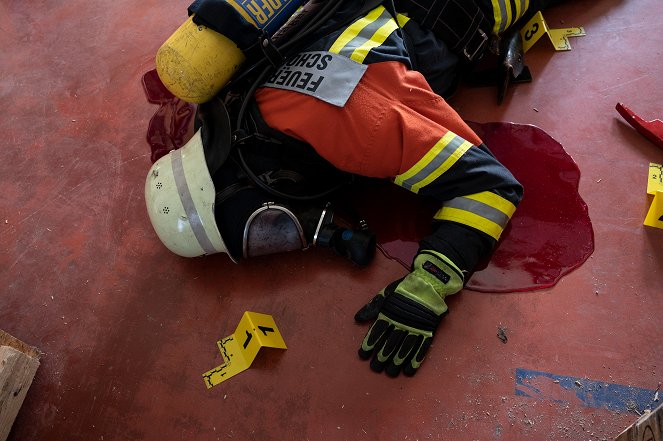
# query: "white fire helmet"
{"type": "Point", "coordinates": [179, 194]}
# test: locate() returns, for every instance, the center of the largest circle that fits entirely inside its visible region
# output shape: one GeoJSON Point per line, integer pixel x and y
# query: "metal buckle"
{"type": "Point", "coordinates": [484, 39]}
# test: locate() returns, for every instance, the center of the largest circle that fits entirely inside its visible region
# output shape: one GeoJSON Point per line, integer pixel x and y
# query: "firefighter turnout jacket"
{"type": "Point", "coordinates": [361, 97]}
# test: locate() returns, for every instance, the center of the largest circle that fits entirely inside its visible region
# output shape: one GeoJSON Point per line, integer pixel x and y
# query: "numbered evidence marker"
{"type": "Point", "coordinates": [254, 331]}
{"type": "Point", "coordinates": [655, 187]}
{"type": "Point", "coordinates": [537, 26]}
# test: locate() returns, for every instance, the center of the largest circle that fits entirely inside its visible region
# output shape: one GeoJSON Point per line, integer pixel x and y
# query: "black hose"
{"type": "Point", "coordinates": [274, 192]}
{"type": "Point", "coordinates": [320, 16]}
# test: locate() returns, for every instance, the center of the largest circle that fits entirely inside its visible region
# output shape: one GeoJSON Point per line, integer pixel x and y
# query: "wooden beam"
{"type": "Point", "coordinates": [11, 341]}
{"type": "Point", "coordinates": [18, 365]}
{"type": "Point", "coordinates": [649, 427]}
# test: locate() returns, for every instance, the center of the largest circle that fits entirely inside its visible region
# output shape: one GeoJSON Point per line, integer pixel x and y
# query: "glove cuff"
{"type": "Point", "coordinates": [439, 271]}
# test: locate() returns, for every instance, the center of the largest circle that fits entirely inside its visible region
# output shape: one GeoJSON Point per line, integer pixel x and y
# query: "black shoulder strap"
{"type": "Point", "coordinates": [461, 24]}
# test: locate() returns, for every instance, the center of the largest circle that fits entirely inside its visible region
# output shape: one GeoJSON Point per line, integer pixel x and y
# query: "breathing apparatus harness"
{"type": "Point", "coordinates": [305, 25]}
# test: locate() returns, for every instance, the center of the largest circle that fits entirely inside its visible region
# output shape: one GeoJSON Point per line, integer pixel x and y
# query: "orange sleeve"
{"type": "Point", "coordinates": [391, 120]}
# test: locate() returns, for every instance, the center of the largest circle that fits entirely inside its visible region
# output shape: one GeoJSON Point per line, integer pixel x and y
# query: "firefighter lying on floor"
{"type": "Point", "coordinates": [366, 95]}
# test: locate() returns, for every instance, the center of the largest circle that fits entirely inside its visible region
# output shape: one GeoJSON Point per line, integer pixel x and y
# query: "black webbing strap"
{"type": "Point", "coordinates": [461, 24]}
{"type": "Point", "coordinates": [223, 18]}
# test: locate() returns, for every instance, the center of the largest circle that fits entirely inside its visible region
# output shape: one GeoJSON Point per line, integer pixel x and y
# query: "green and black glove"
{"type": "Point", "coordinates": [408, 311]}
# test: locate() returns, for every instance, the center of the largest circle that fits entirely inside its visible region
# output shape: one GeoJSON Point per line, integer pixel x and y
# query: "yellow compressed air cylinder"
{"type": "Point", "coordinates": [196, 62]}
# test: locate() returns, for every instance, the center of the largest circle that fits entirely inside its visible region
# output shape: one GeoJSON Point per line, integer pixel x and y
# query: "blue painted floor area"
{"type": "Point", "coordinates": [590, 393]}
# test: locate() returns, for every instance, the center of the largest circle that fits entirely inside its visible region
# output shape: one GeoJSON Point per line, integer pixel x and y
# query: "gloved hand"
{"type": "Point", "coordinates": [408, 312]}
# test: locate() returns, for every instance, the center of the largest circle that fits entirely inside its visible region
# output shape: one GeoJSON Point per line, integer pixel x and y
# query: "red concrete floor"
{"type": "Point", "coordinates": [127, 329]}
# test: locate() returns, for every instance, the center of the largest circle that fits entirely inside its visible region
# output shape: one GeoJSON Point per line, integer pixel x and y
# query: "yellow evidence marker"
{"type": "Point", "coordinates": [655, 187]}
{"type": "Point", "coordinates": [254, 331]}
{"type": "Point", "coordinates": [537, 26]}
{"type": "Point", "coordinates": [655, 181]}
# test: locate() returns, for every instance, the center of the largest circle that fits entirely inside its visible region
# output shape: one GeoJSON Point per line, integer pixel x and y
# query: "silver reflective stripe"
{"type": "Point", "coordinates": [507, 12]}
{"type": "Point", "coordinates": [435, 163]}
{"type": "Point", "coordinates": [189, 207]}
{"type": "Point", "coordinates": [480, 209]}
{"type": "Point", "coordinates": [504, 22]}
{"type": "Point", "coordinates": [366, 34]}
{"type": "Point", "coordinates": [326, 76]}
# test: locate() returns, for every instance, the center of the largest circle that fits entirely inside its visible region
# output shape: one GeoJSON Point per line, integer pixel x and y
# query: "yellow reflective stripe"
{"type": "Point", "coordinates": [494, 200]}
{"type": "Point", "coordinates": [518, 11]}
{"type": "Point", "coordinates": [355, 28]}
{"type": "Point", "coordinates": [470, 219]}
{"type": "Point", "coordinates": [376, 40]}
{"type": "Point", "coordinates": [509, 14]}
{"type": "Point", "coordinates": [521, 8]}
{"type": "Point", "coordinates": [480, 209]}
{"type": "Point", "coordinates": [497, 13]}
{"type": "Point", "coordinates": [432, 153]}
{"type": "Point", "coordinates": [506, 14]}
{"type": "Point", "coordinates": [403, 19]}
{"type": "Point", "coordinates": [444, 154]}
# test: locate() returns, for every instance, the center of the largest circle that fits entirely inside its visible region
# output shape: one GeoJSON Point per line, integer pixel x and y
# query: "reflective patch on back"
{"type": "Point", "coordinates": [326, 76]}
